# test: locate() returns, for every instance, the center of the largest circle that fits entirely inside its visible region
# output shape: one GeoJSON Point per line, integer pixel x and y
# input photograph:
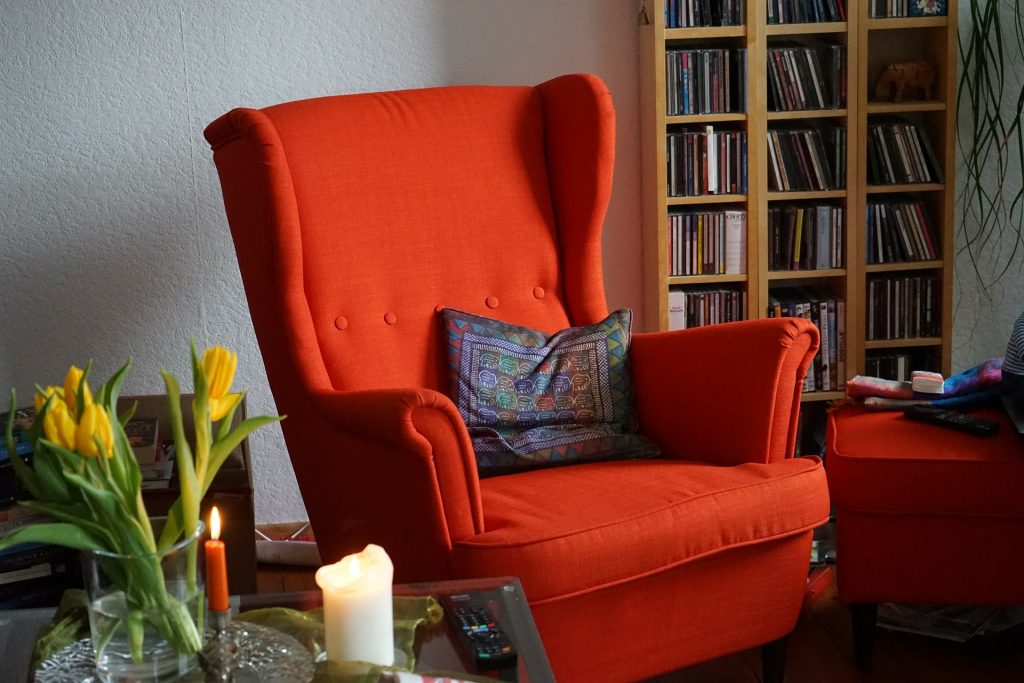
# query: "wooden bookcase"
{"type": "Point", "coordinates": [869, 44]}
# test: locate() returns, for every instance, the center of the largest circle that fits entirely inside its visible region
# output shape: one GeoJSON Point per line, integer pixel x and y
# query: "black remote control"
{"type": "Point", "coordinates": [952, 419]}
{"type": "Point", "coordinates": [483, 640]}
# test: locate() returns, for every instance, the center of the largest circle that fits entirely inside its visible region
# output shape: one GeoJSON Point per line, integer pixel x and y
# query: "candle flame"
{"type": "Point", "coordinates": [214, 523]}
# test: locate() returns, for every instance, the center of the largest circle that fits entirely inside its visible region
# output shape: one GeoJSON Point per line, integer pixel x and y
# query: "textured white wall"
{"type": "Point", "coordinates": [114, 237]}
{"type": "Point", "coordinates": [985, 305]}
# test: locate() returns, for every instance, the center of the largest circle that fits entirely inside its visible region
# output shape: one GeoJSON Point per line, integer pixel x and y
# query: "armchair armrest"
{"type": "Point", "coordinates": [727, 393]}
{"type": "Point", "coordinates": [400, 464]}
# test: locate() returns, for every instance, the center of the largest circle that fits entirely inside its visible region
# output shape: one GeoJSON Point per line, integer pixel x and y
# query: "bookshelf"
{"type": "Point", "coordinates": [839, 271]}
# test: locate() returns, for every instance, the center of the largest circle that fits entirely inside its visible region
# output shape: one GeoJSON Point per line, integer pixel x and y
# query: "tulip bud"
{"type": "Point", "coordinates": [218, 366]}
{"type": "Point", "coordinates": [58, 426]}
{"type": "Point", "coordinates": [71, 382]}
{"type": "Point", "coordinates": [94, 423]}
{"type": "Point", "coordinates": [43, 394]}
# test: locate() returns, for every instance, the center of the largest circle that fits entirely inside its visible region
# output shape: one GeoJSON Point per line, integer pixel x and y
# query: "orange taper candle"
{"type": "Point", "coordinates": [216, 567]}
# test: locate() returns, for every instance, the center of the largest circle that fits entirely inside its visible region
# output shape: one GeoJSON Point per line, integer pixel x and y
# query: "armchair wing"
{"type": "Point", "coordinates": [726, 394]}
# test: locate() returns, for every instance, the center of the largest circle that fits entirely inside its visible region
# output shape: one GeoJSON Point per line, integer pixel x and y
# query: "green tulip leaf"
{"type": "Point", "coordinates": [111, 389]}
{"type": "Point", "coordinates": [223, 447]}
{"type": "Point", "coordinates": [56, 533]}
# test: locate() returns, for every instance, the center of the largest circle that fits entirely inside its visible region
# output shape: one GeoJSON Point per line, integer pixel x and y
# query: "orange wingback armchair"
{"type": "Point", "coordinates": [356, 218]}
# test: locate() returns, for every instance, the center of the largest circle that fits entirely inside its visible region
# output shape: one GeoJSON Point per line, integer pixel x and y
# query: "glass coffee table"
{"type": "Point", "coordinates": [436, 646]}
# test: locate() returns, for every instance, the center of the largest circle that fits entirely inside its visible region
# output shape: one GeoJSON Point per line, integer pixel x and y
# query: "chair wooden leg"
{"type": "Point", "coordinates": [773, 660]}
{"type": "Point", "coordinates": [864, 615]}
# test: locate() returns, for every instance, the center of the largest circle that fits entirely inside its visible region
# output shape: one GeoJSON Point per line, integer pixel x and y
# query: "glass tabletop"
{"type": "Point", "coordinates": [436, 646]}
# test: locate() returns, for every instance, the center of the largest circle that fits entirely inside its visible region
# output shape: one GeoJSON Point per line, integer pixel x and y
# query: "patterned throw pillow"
{"type": "Point", "coordinates": [532, 400]}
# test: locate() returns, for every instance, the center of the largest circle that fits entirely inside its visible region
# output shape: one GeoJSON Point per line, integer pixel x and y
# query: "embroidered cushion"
{"type": "Point", "coordinates": [534, 400]}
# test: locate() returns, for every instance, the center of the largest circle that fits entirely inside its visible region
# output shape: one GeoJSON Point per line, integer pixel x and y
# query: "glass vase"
{"type": "Point", "coordinates": [146, 611]}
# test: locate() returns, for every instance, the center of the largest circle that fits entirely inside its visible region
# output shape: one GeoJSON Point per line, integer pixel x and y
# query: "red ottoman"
{"type": "Point", "coordinates": [924, 514]}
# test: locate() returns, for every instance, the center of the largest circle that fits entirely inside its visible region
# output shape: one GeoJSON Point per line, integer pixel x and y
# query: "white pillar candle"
{"type": "Point", "coordinates": [358, 622]}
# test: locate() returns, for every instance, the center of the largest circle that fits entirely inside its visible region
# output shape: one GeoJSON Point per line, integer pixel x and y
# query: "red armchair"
{"type": "Point", "coordinates": [355, 218]}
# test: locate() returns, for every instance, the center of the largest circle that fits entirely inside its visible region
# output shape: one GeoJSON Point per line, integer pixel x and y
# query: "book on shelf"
{"type": "Point", "coordinates": [828, 370]}
{"type": "Point", "coordinates": [804, 77]}
{"type": "Point", "coordinates": [695, 13]}
{"type": "Point", "coordinates": [903, 306]}
{"type": "Point", "coordinates": [698, 306]}
{"type": "Point", "coordinates": [707, 242]}
{"type": "Point", "coordinates": [705, 81]}
{"type": "Point", "coordinates": [900, 152]}
{"type": "Point", "coordinates": [899, 231]}
{"type": "Point", "coordinates": [805, 11]}
{"type": "Point", "coordinates": [897, 365]}
{"type": "Point", "coordinates": [805, 236]}
{"type": "Point", "coordinates": [33, 575]}
{"type": "Point", "coordinates": [807, 158]}
{"type": "Point", "coordinates": [706, 161]}
{"type": "Point", "coordinates": [886, 9]}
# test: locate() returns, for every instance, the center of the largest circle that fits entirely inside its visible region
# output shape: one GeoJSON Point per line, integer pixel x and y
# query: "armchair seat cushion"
{"type": "Point", "coordinates": [567, 531]}
{"type": "Point", "coordinates": [883, 462]}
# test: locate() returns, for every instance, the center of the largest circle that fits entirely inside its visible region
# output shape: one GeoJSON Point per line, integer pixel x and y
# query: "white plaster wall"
{"type": "Point", "coordinates": [985, 304]}
{"type": "Point", "coordinates": [114, 238]}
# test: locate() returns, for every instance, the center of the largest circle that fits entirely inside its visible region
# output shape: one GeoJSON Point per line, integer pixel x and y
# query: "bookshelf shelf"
{"type": "Point", "coordinates": [806, 114]}
{"type": "Point", "coordinates": [907, 187]}
{"type": "Point", "coordinates": [903, 343]}
{"type": "Point", "coordinates": [706, 199]}
{"type": "Point", "coordinates": [705, 279]}
{"type": "Point", "coordinates": [776, 275]}
{"type": "Point", "coordinates": [907, 22]}
{"type": "Point", "coordinates": [822, 396]}
{"type": "Point", "coordinates": [705, 32]}
{"type": "Point", "coordinates": [706, 118]}
{"type": "Point", "coordinates": [805, 29]}
{"type": "Point", "coordinates": [817, 194]}
{"type": "Point", "coordinates": [902, 265]}
{"type": "Point", "coordinates": [904, 107]}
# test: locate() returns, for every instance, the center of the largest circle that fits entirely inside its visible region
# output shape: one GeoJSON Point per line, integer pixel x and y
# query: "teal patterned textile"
{"type": "Point", "coordinates": [532, 400]}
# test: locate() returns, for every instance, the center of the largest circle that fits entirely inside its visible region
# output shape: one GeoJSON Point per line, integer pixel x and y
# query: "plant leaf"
{"type": "Point", "coordinates": [190, 495]}
{"type": "Point", "coordinates": [223, 447]}
{"type": "Point", "coordinates": [57, 533]}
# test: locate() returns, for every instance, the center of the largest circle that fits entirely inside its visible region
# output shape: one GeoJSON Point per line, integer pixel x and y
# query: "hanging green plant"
{"type": "Point", "coordinates": [991, 94]}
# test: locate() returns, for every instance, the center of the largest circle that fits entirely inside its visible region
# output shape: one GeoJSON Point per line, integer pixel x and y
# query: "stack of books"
{"type": "Point", "coordinates": [807, 159]}
{"type": "Point", "coordinates": [707, 162]}
{"type": "Point", "coordinates": [691, 13]}
{"type": "Point", "coordinates": [803, 77]}
{"type": "Point", "coordinates": [805, 11]}
{"type": "Point", "coordinates": [900, 152]}
{"type": "Point", "coordinates": [899, 231]}
{"type": "Point", "coordinates": [699, 306]}
{"type": "Point", "coordinates": [828, 313]}
{"type": "Point", "coordinates": [903, 306]}
{"type": "Point", "coordinates": [806, 236]}
{"type": "Point", "coordinates": [883, 9]}
{"type": "Point", "coordinates": [705, 81]}
{"type": "Point", "coordinates": [707, 242]}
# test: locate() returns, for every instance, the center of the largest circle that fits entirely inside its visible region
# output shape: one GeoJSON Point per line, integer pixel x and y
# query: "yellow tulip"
{"type": "Point", "coordinates": [71, 382]}
{"type": "Point", "coordinates": [94, 423]}
{"type": "Point", "coordinates": [43, 394]}
{"type": "Point", "coordinates": [58, 425]}
{"type": "Point", "coordinates": [218, 365]}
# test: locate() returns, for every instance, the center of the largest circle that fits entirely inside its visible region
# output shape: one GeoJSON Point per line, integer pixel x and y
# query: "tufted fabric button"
{"type": "Point", "coordinates": [538, 292]}
{"type": "Point", "coordinates": [491, 301]}
{"type": "Point", "coordinates": [390, 318]}
{"type": "Point", "coordinates": [341, 322]}
{"type": "Point", "coordinates": [438, 308]}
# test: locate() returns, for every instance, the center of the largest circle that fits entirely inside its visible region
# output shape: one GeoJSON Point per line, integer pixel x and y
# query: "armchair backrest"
{"type": "Point", "coordinates": [356, 217]}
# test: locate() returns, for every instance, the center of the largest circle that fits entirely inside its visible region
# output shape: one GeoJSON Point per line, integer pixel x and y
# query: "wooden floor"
{"type": "Point", "coordinates": [819, 650]}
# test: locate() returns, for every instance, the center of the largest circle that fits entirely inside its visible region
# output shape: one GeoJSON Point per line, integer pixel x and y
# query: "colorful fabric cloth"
{"type": "Point", "coordinates": [971, 388]}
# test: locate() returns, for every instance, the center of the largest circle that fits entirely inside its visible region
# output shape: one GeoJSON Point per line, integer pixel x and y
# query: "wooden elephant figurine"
{"type": "Point", "coordinates": [897, 77]}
